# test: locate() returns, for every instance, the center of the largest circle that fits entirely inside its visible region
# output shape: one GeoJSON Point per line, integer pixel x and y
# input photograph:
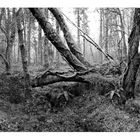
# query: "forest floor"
{"type": "Point", "coordinates": [87, 111]}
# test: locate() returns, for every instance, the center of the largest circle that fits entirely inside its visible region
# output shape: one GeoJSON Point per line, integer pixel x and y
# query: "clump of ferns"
{"type": "Point", "coordinates": [65, 94]}
{"type": "Point", "coordinates": [118, 90]}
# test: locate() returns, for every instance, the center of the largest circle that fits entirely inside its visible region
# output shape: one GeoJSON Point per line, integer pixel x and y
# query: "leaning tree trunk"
{"type": "Point", "coordinates": [56, 40]}
{"type": "Point", "coordinates": [133, 56]}
{"type": "Point", "coordinates": [69, 39]}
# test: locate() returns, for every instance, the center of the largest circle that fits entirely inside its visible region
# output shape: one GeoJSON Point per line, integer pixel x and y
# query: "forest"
{"type": "Point", "coordinates": [69, 69]}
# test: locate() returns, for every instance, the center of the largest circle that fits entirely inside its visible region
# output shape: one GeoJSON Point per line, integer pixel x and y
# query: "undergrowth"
{"type": "Point", "coordinates": [65, 107]}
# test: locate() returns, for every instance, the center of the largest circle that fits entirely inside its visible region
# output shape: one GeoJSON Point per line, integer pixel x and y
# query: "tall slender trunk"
{"type": "Point", "coordinates": [78, 24]}
{"type": "Point", "coordinates": [29, 40]}
{"type": "Point", "coordinates": [39, 45]}
{"type": "Point", "coordinates": [124, 48]}
{"type": "Point", "coordinates": [106, 31]}
{"type": "Point", "coordinates": [101, 35]}
{"type": "Point", "coordinates": [11, 37]}
{"type": "Point", "coordinates": [57, 53]}
{"type": "Point", "coordinates": [84, 46]}
{"type": "Point", "coordinates": [46, 44]}
{"type": "Point", "coordinates": [23, 51]}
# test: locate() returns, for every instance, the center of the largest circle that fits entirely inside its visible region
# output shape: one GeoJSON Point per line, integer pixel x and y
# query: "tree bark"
{"type": "Point", "coordinates": [10, 31]}
{"type": "Point", "coordinates": [106, 31]}
{"type": "Point", "coordinates": [46, 45]}
{"type": "Point", "coordinates": [101, 35]}
{"type": "Point", "coordinates": [57, 53]}
{"type": "Point", "coordinates": [29, 39]}
{"type": "Point", "coordinates": [124, 48]}
{"type": "Point", "coordinates": [78, 24]}
{"type": "Point", "coordinates": [23, 51]}
{"type": "Point", "coordinates": [133, 56]}
{"type": "Point", "coordinates": [39, 45]}
{"type": "Point", "coordinates": [56, 40]}
{"type": "Point", "coordinates": [6, 63]}
{"type": "Point", "coordinates": [69, 39]}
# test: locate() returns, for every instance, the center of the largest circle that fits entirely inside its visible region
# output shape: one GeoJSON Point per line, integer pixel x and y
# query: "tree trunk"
{"type": "Point", "coordinates": [46, 45]}
{"type": "Point", "coordinates": [106, 31]}
{"type": "Point", "coordinates": [124, 48]}
{"type": "Point", "coordinates": [78, 25]}
{"type": "Point", "coordinates": [133, 57]}
{"type": "Point", "coordinates": [29, 40]}
{"type": "Point", "coordinates": [56, 40]}
{"type": "Point", "coordinates": [39, 44]}
{"type": "Point", "coordinates": [69, 39]}
{"type": "Point", "coordinates": [23, 56]}
{"type": "Point", "coordinates": [57, 53]}
{"type": "Point", "coordinates": [46, 55]}
{"type": "Point", "coordinates": [101, 35]}
{"type": "Point", "coordinates": [6, 63]}
{"type": "Point", "coordinates": [11, 31]}
{"type": "Point", "coordinates": [84, 46]}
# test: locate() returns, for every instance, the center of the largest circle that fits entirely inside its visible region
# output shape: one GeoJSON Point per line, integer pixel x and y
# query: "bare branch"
{"type": "Point", "coordinates": [89, 39]}
{"type": "Point", "coordinates": [4, 59]}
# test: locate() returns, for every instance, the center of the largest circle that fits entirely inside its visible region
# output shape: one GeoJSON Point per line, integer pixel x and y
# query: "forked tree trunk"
{"type": "Point", "coordinates": [133, 57]}
{"type": "Point", "coordinates": [56, 40]}
{"type": "Point", "coordinates": [69, 39]}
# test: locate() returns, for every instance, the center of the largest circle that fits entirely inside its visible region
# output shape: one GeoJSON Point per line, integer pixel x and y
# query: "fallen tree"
{"type": "Point", "coordinates": [50, 77]}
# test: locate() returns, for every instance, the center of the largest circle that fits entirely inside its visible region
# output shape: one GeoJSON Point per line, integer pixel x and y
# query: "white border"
{"type": "Point", "coordinates": [69, 3]}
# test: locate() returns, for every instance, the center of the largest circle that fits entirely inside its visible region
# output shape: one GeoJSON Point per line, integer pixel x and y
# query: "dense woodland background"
{"type": "Point", "coordinates": [59, 72]}
{"type": "Point", "coordinates": [114, 29]}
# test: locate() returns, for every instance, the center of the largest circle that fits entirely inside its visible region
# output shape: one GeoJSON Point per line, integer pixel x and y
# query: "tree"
{"type": "Point", "coordinates": [106, 29]}
{"type": "Point", "coordinates": [85, 28]}
{"type": "Point", "coordinates": [57, 53]}
{"type": "Point", "coordinates": [39, 45]}
{"type": "Point", "coordinates": [56, 40]}
{"type": "Point", "coordinates": [9, 30]}
{"type": "Point", "coordinates": [133, 57]}
{"type": "Point", "coordinates": [77, 12]}
{"type": "Point", "coordinates": [23, 51]}
{"type": "Point", "coordinates": [123, 33]}
{"type": "Point", "coordinates": [101, 33]}
{"type": "Point", "coordinates": [70, 41]}
{"type": "Point", "coordinates": [29, 37]}
{"type": "Point", "coordinates": [46, 44]}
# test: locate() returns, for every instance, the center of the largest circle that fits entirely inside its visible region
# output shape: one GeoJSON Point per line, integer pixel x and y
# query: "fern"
{"type": "Point", "coordinates": [66, 94]}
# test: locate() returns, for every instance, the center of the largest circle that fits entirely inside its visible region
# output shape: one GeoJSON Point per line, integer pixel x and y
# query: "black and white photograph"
{"type": "Point", "coordinates": [69, 69]}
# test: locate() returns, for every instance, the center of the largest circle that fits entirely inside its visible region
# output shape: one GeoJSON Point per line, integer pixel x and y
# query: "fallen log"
{"type": "Point", "coordinates": [91, 77]}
